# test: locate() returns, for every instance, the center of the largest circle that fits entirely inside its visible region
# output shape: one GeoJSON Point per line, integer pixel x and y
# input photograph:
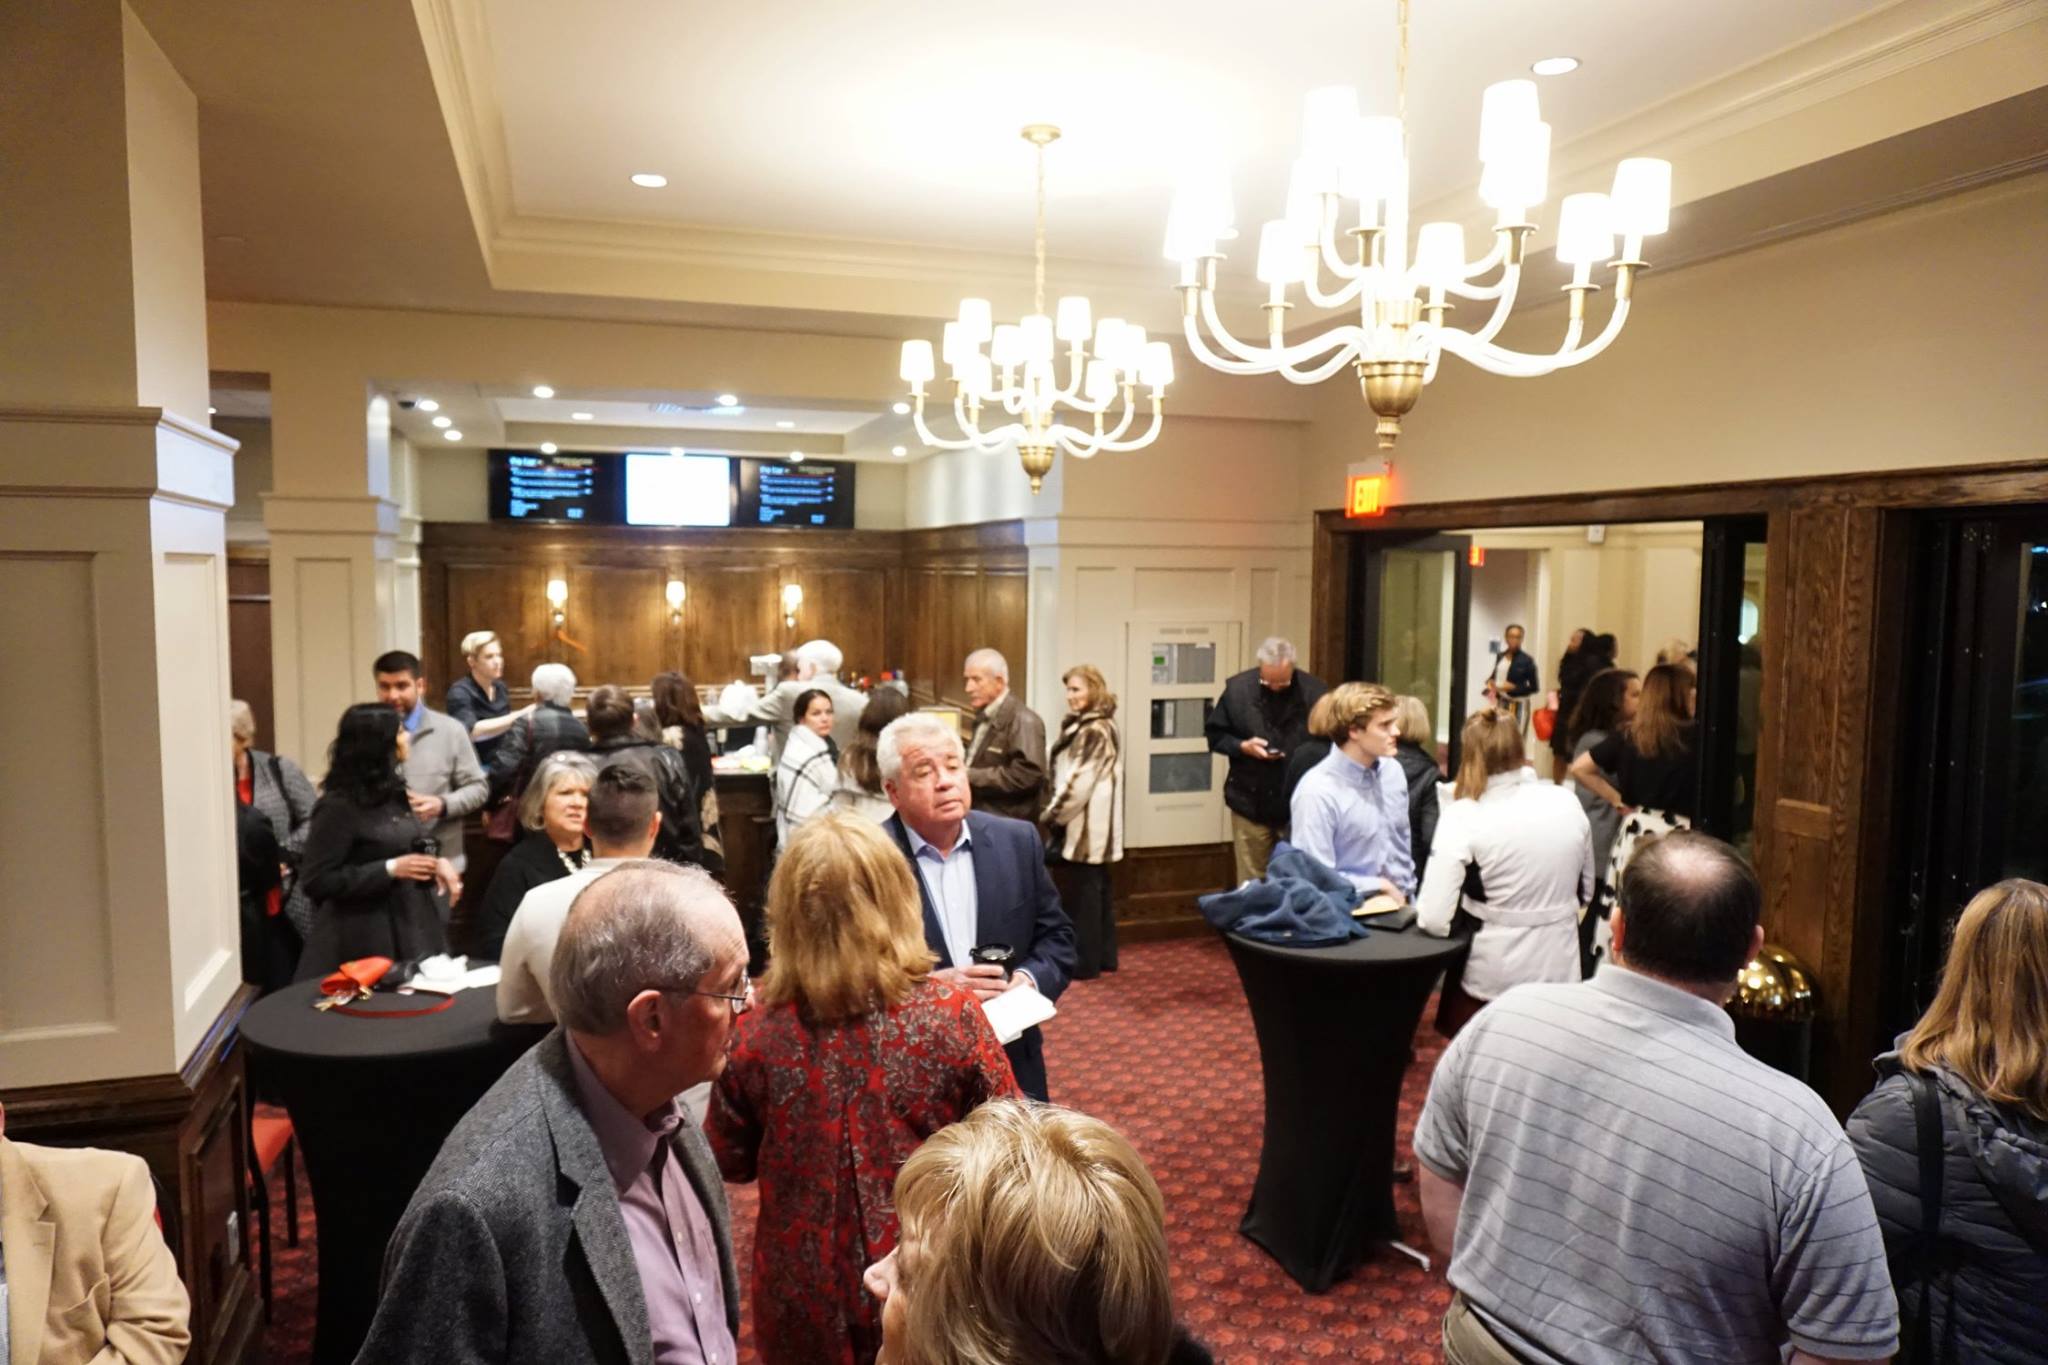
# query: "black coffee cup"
{"type": "Point", "coordinates": [994, 955]}
{"type": "Point", "coordinates": [428, 845]}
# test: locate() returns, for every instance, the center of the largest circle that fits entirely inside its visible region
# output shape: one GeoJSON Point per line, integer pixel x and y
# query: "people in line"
{"type": "Point", "coordinates": [85, 1274]}
{"type": "Point", "coordinates": [1084, 815]}
{"type": "Point", "coordinates": [552, 816]}
{"type": "Point", "coordinates": [479, 701]}
{"type": "Point", "coordinates": [273, 810]}
{"type": "Point", "coordinates": [1655, 759]}
{"type": "Point", "coordinates": [1514, 678]}
{"type": "Point", "coordinates": [853, 1055]}
{"type": "Point", "coordinates": [618, 734]}
{"type": "Point", "coordinates": [1415, 751]}
{"type": "Point", "coordinates": [1350, 812]}
{"type": "Point", "coordinates": [1678, 650]}
{"type": "Point", "coordinates": [1574, 670]}
{"type": "Point", "coordinates": [990, 911]}
{"type": "Point", "coordinates": [1966, 1228]}
{"type": "Point", "coordinates": [575, 1214]}
{"type": "Point", "coordinates": [443, 780]}
{"type": "Point", "coordinates": [807, 772]}
{"type": "Point", "coordinates": [549, 726]}
{"type": "Point", "coordinates": [368, 865]}
{"type": "Point", "coordinates": [1261, 719]}
{"type": "Point", "coordinates": [817, 668]}
{"type": "Point", "coordinates": [1029, 1233]}
{"type": "Point", "coordinates": [1516, 854]}
{"type": "Point", "coordinates": [1613, 1179]}
{"type": "Point", "coordinates": [1006, 756]}
{"type": "Point", "coordinates": [1606, 707]}
{"type": "Point", "coordinates": [622, 821]}
{"type": "Point", "coordinates": [680, 717]}
{"type": "Point", "coordinates": [860, 772]}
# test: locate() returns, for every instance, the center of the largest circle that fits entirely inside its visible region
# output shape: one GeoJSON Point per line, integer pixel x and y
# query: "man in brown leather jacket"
{"type": "Point", "coordinates": [1006, 757]}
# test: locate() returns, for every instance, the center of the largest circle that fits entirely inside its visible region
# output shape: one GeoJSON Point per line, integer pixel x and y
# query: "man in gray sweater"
{"type": "Point", "coordinates": [443, 780]}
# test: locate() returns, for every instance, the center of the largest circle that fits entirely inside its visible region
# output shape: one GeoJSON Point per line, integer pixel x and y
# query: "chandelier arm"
{"type": "Point", "coordinates": [1510, 286]}
{"type": "Point", "coordinates": [977, 439]}
{"type": "Point", "coordinates": [932, 438]}
{"type": "Point", "coordinates": [1326, 237]}
{"type": "Point", "coordinates": [1344, 356]}
{"type": "Point", "coordinates": [1346, 292]}
{"type": "Point", "coordinates": [1140, 441]}
{"type": "Point", "coordinates": [1270, 358]}
{"type": "Point", "coordinates": [1485, 291]}
{"type": "Point", "coordinates": [1520, 365]}
{"type": "Point", "coordinates": [1191, 330]}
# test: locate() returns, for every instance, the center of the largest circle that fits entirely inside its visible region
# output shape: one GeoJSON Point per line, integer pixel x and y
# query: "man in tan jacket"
{"type": "Point", "coordinates": [86, 1278]}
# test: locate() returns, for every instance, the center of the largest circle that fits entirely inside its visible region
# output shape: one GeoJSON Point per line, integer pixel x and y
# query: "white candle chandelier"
{"type": "Point", "coordinates": [1402, 296]}
{"type": "Point", "coordinates": [1018, 371]}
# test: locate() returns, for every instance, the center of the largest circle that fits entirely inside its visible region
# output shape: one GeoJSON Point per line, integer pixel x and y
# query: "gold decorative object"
{"type": "Point", "coordinates": [1774, 986]}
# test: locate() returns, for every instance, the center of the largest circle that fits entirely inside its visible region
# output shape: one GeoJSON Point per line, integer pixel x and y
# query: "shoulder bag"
{"type": "Point", "coordinates": [1917, 1341]}
{"type": "Point", "coordinates": [501, 826]}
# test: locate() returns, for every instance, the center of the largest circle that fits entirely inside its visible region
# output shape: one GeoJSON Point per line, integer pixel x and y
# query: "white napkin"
{"type": "Point", "coordinates": [1010, 1013]}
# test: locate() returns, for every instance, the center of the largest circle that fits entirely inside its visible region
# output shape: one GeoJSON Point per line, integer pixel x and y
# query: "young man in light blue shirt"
{"type": "Point", "coordinates": [1351, 810]}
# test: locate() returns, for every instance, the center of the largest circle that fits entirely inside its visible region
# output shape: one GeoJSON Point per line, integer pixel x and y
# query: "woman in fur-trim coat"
{"type": "Point", "coordinates": [1085, 815]}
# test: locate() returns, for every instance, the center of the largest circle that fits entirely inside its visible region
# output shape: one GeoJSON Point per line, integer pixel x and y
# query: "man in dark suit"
{"type": "Point", "coordinates": [982, 878]}
{"type": "Point", "coordinates": [576, 1214]}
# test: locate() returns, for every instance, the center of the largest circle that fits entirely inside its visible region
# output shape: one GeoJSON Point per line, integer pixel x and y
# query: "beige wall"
{"type": "Point", "coordinates": [165, 235]}
{"type": "Point", "coordinates": [252, 475]}
{"type": "Point", "coordinates": [1904, 341]}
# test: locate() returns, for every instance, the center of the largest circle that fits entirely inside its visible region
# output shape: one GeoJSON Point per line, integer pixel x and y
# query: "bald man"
{"type": "Point", "coordinates": [576, 1214]}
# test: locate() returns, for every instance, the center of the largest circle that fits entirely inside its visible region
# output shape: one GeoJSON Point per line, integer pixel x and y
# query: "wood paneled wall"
{"type": "Point", "coordinates": [917, 600]}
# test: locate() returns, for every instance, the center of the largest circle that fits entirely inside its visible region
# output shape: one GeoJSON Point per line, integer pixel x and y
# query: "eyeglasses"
{"type": "Point", "coordinates": [740, 1003]}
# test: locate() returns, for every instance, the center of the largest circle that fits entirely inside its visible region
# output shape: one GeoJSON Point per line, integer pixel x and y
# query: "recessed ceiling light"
{"type": "Point", "coordinates": [444, 422]}
{"type": "Point", "coordinates": [727, 400]}
{"type": "Point", "coordinates": [451, 435]}
{"type": "Point", "coordinates": [427, 405]}
{"type": "Point", "coordinates": [901, 409]}
{"type": "Point", "coordinates": [786, 425]}
{"type": "Point", "coordinates": [211, 409]}
{"type": "Point", "coordinates": [548, 447]}
{"type": "Point", "coordinates": [648, 180]}
{"type": "Point", "coordinates": [583, 417]}
{"type": "Point", "coordinates": [795, 456]}
{"type": "Point", "coordinates": [898, 451]}
{"type": "Point", "coordinates": [543, 391]}
{"type": "Point", "coordinates": [1554, 66]}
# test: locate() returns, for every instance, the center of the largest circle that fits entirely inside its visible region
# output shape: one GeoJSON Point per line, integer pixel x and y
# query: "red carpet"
{"type": "Point", "coordinates": [1163, 1050]}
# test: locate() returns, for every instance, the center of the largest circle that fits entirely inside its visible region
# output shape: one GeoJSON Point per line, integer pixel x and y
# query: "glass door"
{"type": "Point", "coordinates": [1409, 631]}
{"type": "Point", "coordinates": [1731, 676]}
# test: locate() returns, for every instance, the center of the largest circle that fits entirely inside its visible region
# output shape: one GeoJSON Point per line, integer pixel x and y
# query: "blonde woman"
{"type": "Point", "coordinates": [1086, 814]}
{"type": "Point", "coordinates": [853, 1057]}
{"type": "Point", "coordinates": [1972, 1076]}
{"type": "Point", "coordinates": [1030, 1233]}
{"type": "Point", "coordinates": [1528, 843]}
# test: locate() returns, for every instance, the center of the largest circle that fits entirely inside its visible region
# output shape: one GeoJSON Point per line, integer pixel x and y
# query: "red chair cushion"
{"type": "Point", "coordinates": [271, 1136]}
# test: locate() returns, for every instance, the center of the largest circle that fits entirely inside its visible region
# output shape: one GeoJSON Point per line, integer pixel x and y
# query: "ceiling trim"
{"type": "Point", "coordinates": [584, 436]}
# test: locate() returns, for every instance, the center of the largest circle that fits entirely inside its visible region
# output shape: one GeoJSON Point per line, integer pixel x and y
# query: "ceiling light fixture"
{"type": "Point", "coordinates": [1555, 66]}
{"type": "Point", "coordinates": [728, 400]}
{"type": "Point", "coordinates": [451, 435]}
{"type": "Point", "coordinates": [548, 447]}
{"type": "Point", "coordinates": [444, 421]}
{"type": "Point", "coordinates": [899, 451]}
{"type": "Point", "coordinates": [583, 417]}
{"type": "Point", "coordinates": [796, 457]}
{"type": "Point", "coordinates": [900, 409]}
{"type": "Point", "coordinates": [1015, 374]}
{"type": "Point", "coordinates": [786, 425]}
{"type": "Point", "coordinates": [427, 405]}
{"type": "Point", "coordinates": [211, 410]}
{"type": "Point", "coordinates": [1399, 287]}
{"type": "Point", "coordinates": [648, 180]}
{"type": "Point", "coordinates": [543, 391]}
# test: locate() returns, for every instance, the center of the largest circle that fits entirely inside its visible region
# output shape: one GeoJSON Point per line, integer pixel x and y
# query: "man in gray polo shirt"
{"type": "Point", "coordinates": [1616, 1180]}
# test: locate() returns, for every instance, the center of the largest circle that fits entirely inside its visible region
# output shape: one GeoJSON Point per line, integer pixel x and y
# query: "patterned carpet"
{"type": "Point", "coordinates": [1163, 1050]}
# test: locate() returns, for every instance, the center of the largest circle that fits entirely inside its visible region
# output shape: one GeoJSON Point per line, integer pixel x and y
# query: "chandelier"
{"type": "Point", "coordinates": [1018, 373]}
{"type": "Point", "coordinates": [1402, 295]}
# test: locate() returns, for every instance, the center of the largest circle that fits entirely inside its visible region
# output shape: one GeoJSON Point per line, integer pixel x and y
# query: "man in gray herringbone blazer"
{"type": "Point", "coordinates": [576, 1214]}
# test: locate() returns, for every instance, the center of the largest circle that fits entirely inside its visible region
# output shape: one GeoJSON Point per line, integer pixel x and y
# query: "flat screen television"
{"type": "Point", "coordinates": [554, 489]}
{"type": "Point", "coordinates": [815, 493]}
{"type": "Point", "coordinates": [679, 490]}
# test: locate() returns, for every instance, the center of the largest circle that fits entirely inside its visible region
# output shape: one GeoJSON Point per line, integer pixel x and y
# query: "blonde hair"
{"type": "Point", "coordinates": [1352, 704]}
{"type": "Point", "coordinates": [1032, 1233]}
{"type": "Point", "coordinates": [241, 721]}
{"type": "Point", "coordinates": [1319, 719]}
{"type": "Point", "coordinates": [474, 642]}
{"type": "Point", "coordinates": [1415, 726]}
{"type": "Point", "coordinates": [845, 926]}
{"type": "Point", "coordinates": [563, 765]}
{"type": "Point", "coordinates": [1989, 1019]}
{"type": "Point", "coordinates": [1100, 698]}
{"type": "Point", "coordinates": [1490, 745]}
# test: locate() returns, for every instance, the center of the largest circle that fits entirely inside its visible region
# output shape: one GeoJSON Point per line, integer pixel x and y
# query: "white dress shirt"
{"type": "Point", "coordinates": [956, 897]}
{"type": "Point", "coordinates": [529, 951]}
{"type": "Point", "coordinates": [1534, 851]}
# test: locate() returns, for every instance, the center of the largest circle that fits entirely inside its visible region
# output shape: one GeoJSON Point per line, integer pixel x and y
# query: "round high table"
{"type": "Point", "coordinates": [371, 1101]}
{"type": "Point", "coordinates": [1335, 1027]}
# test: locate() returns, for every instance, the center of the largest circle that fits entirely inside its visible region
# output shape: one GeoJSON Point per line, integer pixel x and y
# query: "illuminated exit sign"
{"type": "Point", "coordinates": [1365, 491]}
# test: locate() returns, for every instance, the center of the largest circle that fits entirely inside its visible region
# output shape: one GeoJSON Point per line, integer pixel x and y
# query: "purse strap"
{"type": "Point", "coordinates": [1928, 1140]}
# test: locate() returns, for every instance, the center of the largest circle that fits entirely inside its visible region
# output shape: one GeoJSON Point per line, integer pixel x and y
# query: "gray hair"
{"type": "Point", "coordinates": [555, 683]}
{"type": "Point", "coordinates": [563, 765]}
{"type": "Point", "coordinates": [991, 662]}
{"type": "Point", "coordinates": [1275, 649]}
{"type": "Point", "coordinates": [919, 729]}
{"type": "Point", "coordinates": [241, 721]}
{"type": "Point", "coordinates": [642, 925]}
{"type": "Point", "coordinates": [822, 655]}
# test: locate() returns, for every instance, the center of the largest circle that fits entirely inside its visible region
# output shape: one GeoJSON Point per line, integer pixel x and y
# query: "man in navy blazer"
{"type": "Point", "coordinates": [982, 878]}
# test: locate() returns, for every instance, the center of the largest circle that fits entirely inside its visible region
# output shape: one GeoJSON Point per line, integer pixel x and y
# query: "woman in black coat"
{"type": "Point", "coordinates": [1980, 1055]}
{"type": "Point", "coordinates": [553, 811]}
{"type": "Point", "coordinates": [1415, 751]}
{"type": "Point", "coordinates": [1581, 661]}
{"type": "Point", "coordinates": [370, 868]}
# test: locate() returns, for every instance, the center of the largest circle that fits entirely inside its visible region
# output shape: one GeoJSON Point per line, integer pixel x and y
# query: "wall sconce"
{"type": "Point", "coordinates": [558, 595]}
{"type": "Point", "coordinates": [792, 598]}
{"type": "Point", "coordinates": [676, 593]}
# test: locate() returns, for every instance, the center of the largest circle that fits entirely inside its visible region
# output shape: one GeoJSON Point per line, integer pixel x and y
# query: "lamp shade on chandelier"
{"type": "Point", "coordinates": [1013, 370]}
{"type": "Point", "coordinates": [1355, 166]}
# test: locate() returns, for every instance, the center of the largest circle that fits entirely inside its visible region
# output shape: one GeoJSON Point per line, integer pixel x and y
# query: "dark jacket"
{"type": "Point", "coordinates": [1574, 670]}
{"type": "Point", "coordinates": [549, 728]}
{"type": "Point", "coordinates": [1423, 776]}
{"type": "Point", "coordinates": [468, 704]}
{"type": "Point", "coordinates": [681, 839]}
{"type": "Point", "coordinates": [533, 861]}
{"type": "Point", "coordinates": [513, 1250]}
{"type": "Point", "coordinates": [1257, 788]}
{"type": "Point", "coordinates": [359, 909]}
{"type": "Point", "coordinates": [1006, 765]}
{"type": "Point", "coordinates": [1015, 904]}
{"type": "Point", "coordinates": [1521, 680]}
{"type": "Point", "coordinates": [1990, 1290]}
{"type": "Point", "coordinates": [1299, 903]}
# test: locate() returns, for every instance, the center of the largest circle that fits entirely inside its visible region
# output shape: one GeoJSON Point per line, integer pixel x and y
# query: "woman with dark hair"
{"type": "Point", "coordinates": [370, 868]}
{"type": "Point", "coordinates": [1606, 707]}
{"type": "Point", "coordinates": [679, 717]}
{"type": "Point", "coordinates": [860, 770]}
{"type": "Point", "coordinates": [1655, 759]}
{"type": "Point", "coordinates": [1580, 662]}
{"type": "Point", "coordinates": [808, 770]}
{"type": "Point", "coordinates": [619, 733]}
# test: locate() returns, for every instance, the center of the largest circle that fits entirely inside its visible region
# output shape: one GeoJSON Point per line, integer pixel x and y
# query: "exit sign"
{"type": "Point", "coordinates": [1365, 495]}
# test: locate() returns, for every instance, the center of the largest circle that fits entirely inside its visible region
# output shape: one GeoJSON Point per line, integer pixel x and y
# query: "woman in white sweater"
{"type": "Point", "coordinates": [1516, 854]}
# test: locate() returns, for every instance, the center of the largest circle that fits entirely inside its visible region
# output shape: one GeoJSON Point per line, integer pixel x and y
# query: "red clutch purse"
{"type": "Point", "coordinates": [354, 978]}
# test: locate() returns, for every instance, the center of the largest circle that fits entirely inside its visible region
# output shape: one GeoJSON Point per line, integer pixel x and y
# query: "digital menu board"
{"type": "Point", "coordinates": [554, 488]}
{"type": "Point", "coordinates": [647, 489]}
{"type": "Point", "coordinates": [678, 490]}
{"type": "Point", "coordinates": [777, 493]}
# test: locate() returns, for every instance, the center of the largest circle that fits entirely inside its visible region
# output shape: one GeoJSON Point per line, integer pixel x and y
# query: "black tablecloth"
{"type": "Point", "coordinates": [1335, 1025]}
{"type": "Point", "coordinates": [371, 1101]}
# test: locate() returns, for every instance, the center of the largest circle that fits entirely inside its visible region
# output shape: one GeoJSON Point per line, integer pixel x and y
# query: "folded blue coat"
{"type": "Point", "coordinates": [1301, 903]}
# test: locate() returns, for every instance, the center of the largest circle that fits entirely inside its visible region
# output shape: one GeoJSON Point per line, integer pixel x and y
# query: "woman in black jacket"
{"type": "Point", "coordinates": [551, 816]}
{"type": "Point", "coordinates": [1416, 753]}
{"type": "Point", "coordinates": [679, 719]}
{"type": "Point", "coordinates": [1973, 1071]}
{"type": "Point", "coordinates": [369, 866]}
{"type": "Point", "coordinates": [617, 732]}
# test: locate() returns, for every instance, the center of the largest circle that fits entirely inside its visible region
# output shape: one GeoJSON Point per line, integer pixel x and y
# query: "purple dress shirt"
{"type": "Point", "coordinates": [665, 1222]}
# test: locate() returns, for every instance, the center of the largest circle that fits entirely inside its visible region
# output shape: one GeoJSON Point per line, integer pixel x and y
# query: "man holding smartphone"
{"type": "Point", "coordinates": [1261, 718]}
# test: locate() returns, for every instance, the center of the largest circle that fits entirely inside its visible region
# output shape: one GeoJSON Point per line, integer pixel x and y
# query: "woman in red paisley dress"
{"type": "Point", "coordinates": [853, 1057]}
